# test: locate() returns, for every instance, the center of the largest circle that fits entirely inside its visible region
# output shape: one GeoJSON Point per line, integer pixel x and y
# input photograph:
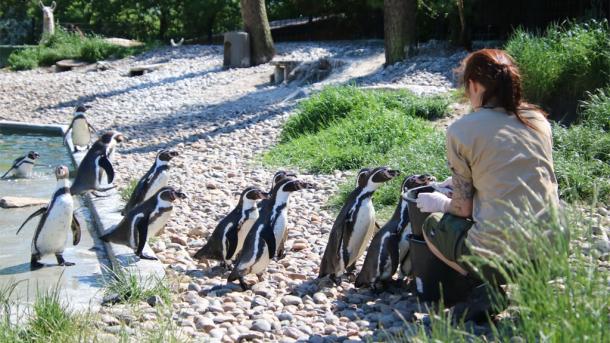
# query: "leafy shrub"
{"type": "Point", "coordinates": [595, 111]}
{"type": "Point", "coordinates": [560, 66]}
{"type": "Point", "coordinates": [24, 60]}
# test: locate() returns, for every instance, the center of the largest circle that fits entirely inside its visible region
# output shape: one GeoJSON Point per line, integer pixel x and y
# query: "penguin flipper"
{"type": "Point", "coordinates": [107, 166]}
{"type": "Point", "coordinates": [37, 213]}
{"type": "Point", "coordinates": [76, 232]}
{"type": "Point", "coordinates": [67, 131]}
{"type": "Point", "coordinates": [7, 172]}
{"type": "Point", "coordinates": [91, 127]}
{"type": "Point", "coordinates": [142, 227]}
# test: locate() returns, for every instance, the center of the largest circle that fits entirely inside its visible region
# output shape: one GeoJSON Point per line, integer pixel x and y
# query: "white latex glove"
{"type": "Point", "coordinates": [433, 202]}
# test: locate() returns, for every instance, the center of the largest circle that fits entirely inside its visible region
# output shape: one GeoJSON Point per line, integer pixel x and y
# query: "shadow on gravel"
{"type": "Point", "coordinates": [204, 122]}
{"type": "Point", "coordinates": [83, 100]}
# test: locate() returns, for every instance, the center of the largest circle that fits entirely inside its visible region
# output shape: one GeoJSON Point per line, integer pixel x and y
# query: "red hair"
{"type": "Point", "coordinates": [497, 72]}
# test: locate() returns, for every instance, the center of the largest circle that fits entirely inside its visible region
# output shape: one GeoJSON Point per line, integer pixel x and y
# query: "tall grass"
{"type": "Point", "coordinates": [561, 65]}
{"type": "Point", "coordinates": [126, 285]}
{"type": "Point", "coordinates": [560, 295]}
{"type": "Point", "coordinates": [595, 110]}
{"type": "Point", "coordinates": [65, 45]}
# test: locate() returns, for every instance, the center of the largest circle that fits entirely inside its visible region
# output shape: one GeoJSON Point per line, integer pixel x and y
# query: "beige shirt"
{"type": "Point", "coordinates": [511, 169]}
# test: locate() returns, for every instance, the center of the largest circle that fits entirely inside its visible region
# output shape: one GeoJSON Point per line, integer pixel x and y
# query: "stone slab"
{"type": "Point", "coordinates": [17, 202]}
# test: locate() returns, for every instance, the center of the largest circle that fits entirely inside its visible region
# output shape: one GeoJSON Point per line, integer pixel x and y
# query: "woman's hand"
{"type": "Point", "coordinates": [433, 202]}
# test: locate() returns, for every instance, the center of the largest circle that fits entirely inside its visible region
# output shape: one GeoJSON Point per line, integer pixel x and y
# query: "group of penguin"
{"type": "Point", "coordinates": [146, 213]}
{"type": "Point", "coordinates": [247, 238]}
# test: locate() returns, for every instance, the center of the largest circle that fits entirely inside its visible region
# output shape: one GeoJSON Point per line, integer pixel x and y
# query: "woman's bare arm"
{"type": "Point", "coordinates": [461, 200]}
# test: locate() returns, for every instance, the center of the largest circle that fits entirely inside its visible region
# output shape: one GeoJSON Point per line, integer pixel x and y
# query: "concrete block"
{"type": "Point", "coordinates": [236, 50]}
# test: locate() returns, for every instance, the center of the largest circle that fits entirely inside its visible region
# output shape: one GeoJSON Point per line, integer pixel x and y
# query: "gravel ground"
{"type": "Point", "coordinates": [220, 121]}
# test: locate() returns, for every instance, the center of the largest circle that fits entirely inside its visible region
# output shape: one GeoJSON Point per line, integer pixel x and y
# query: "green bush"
{"type": "Point", "coordinates": [595, 111]}
{"type": "Point", "coordinates": [63, 45]}
{"type": "Point", "coordinates": [334, 103]}
{"type": "Point", "coordinates": [560, 66]}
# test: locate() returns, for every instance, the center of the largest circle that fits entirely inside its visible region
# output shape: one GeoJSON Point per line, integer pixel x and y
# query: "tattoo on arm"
{"type": "Point", "coordinates": [461, 201]}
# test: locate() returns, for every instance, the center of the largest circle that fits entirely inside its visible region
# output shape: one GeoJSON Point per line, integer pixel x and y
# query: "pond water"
{"type": "Point", "coordinates": [79, 284]}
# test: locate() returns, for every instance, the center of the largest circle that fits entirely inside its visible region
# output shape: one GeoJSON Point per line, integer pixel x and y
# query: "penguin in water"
{"type": "Point", "coordinates": [147, 219]}
{"type": "Point", "coordinates": [80, 129]}
{"type": "Point", "coordinates": [263, 240]}
{"type": "Point", "coordinates": [228, 238]}
{"type": "Point", "coordinates": [22, 166]}
{"type": "Point", "coordinates": [154, 179]}
{"type": "Point", "coordinates": [57, 218]}
{"type": "Point", "coordinates": [355, 224]}
{"type": "Point", "coordinates": [96, 164]}
{"type": "Point", "coordinates": [382, 256]}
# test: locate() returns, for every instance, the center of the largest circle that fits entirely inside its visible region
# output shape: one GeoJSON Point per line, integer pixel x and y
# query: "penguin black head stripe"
{"type": "Point", "coordinates": [382, 174]}
{"type": "Point", "coordinates": [112, 135]}
{"type": "Point", "coordinates": [81, 109]}
{"type": "Point", "coordinates": [170, 194]}
{"type": "Point", "coordinates": [362, 178]}
{"type": "Point", "coordinates": [416, 181]}
{"type": "Point", "coordinates": [280, 175]}
{"type": "Point", "coordinates": [289, 185]}
{"type": "Point", "coordinates": [167, 155]}
{"type": "Point", "coordinates": [253, 193]}
{"type": "Point", "coordinates": [33, 155]}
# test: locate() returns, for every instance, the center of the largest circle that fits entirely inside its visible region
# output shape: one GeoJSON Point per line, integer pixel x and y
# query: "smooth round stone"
{"type": "Point", "coordinates": [261, 325]}
{"type": "Point", "coordinates": [291, 300]}
{"type": "Point", "coordinates": [285, 316]}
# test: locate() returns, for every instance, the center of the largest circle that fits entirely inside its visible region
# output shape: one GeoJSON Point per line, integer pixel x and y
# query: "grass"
{"type": "Point", "coordinates": [562, 65]}
{"type": "Point", "coordinates": [566, 300]}
{"type": "Point", "coordinates": [371, 128]}
{"type": "Point", "coordinates": [132, 288]}
{"type": "Point", "coordinates": [64, 45]}
{"type": "Point", "coordinates": [127, 191]}
{"type": "Point", "coordinates": [595, 110]}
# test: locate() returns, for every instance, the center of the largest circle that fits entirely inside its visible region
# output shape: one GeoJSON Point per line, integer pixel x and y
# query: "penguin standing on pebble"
{"type": "Point", "coordinates": [96, 164]}
{"type": "Point", "coordinates": [154, 179]}
{"type": "Point", "coordinates": [57, 218]}
{"type": "Point", "coordinates": [228, 238]}
{"type": "Point", "coordinates": [355, 224]}
{"type": "Point", "coordinates": [147, 219]}
{"type": "Point", "coordinates": [22, 166]}
{"type": "Point", "coordinates": [382, 257]}
{"type": "Point", "coordinates": [80, 129]}
{"type": "Point", "coordinates": [262, 242]}
{"type": "Point", "coordinates": [277, 177]}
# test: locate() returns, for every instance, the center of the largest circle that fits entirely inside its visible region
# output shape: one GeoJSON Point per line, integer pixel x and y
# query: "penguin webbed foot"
{"type": "Point", "coordinates": [34, 264]}
{"type": "Point", "coordinates": [62, 262]}
{"type": "Point", "coordinates": [243, 284]}
{"type": "Point", "coordinates": [260, 277]}
{"type": "Point", "coordinates": [336, 279]}
{"type": "Point", "coordinates": [143, 256]}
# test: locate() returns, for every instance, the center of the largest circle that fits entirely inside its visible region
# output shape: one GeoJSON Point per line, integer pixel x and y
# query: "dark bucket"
{"type": "Point", "coordinates": [431, 274]}
{"type": "Point", "coordinates": [416, 217]}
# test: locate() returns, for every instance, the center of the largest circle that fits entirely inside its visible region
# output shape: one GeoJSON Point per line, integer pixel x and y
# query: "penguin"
{"type": "Point", "coordinates": [262, 242]}
{"type": "Point", "coordinates": [144, 220]}
{"type": "Point", "coordinates": [154, 179]}
{"type": "Point", "coordinates": [404, 262]}
{"type": "Point", "coordinates": [22, 166]}
{"type": "Point", "coordinates": [228, 238]}
{"type": "Point", "coordinates": [277, 177]}
{"type": "Point", "coordinates": [96, 164]}
{"type": "Point", "coordinates": [355, 224]}
{"type": "Point", "coordinates": [80, 128]}
{"type": "Point", "coordinates": [382, 255]}
{"type": "Point", "coordinates": [57, 217]}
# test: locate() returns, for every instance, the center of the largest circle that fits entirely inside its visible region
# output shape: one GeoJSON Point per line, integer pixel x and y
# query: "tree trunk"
{"type": "Point", "coordinates": [464, 39]}
{"type": "Point", "coordinates": [254, 15]}
{"type": "Point", "coordinates": [163, 23]}
{"type": "Point", "coordinates": [399, 29]}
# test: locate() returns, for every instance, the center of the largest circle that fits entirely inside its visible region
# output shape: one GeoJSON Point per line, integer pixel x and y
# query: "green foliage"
{"type": "Point", "coordinates": [64, 45]}
{"type": "Point", "coordinates": [127, 191]}
{"type": "Point", "coordinates": [560, 66]}
{"type": "Point", "coordinates": [566, 300]}
{"type": "Point", "coordinates": [345, 128]}
{"type": "Point", "coordinates": [131, 287]}
{"type": "Point", "coordinates": [595, 111]}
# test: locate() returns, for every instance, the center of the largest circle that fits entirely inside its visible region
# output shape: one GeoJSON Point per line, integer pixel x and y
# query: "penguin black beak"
{"type": "Point", "coordinates": [262, 195]}
{"type": "Point", "coordinates": [181, 195]}
{"type": "Point", "coordinates": [392, 173]}
{"type": "Point", "coordinates": [174, 153]}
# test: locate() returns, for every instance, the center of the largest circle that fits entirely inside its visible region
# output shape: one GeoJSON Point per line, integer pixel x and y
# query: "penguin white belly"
{"type": "Point", "coordinates": [80, 133]}
{"type": "Point", "coordinates": [279, 230]}
{"type": "Point", "coordinates": [158, 225]}
{"type": "Point", "coordinates": [364, 228]}
{"type": "Point", "coordinates": [241, 235]}
{"type": "Point", "coordinates": [54, 233]}
{"type": "Point", "coordinates": [159, 182]}
{"type": "Point", "coordinates": [403, 244]}
{"type": "Point", "coordinates": [24, 170]}
{"type": "Point", "coordinates": [386, 269]}
{"type": "Point", "coordinates": [261, 264]}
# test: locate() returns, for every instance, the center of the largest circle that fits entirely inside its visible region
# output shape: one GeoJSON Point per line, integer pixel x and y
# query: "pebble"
{"type": "Point", "coordinates": [291, 300]}
{"type": "Point", "coordinates": [261, 325]}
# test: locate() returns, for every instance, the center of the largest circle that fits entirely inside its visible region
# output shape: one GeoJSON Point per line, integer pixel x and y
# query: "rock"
{"type": "Point", "coordinates": [299, 246]}
{"type": "Point", "coordinates": [218, 332]}
{"type": "Point", "coordinates": [109, 320]}
{"type": "Point", "coordinates": [250, 336]}
{"type": "Point", "coordinates": [602, 245]}
{"type": "Point", "coordinates": [285, 316]}
{"type": "Point", "coordinates": [259, 301]}
{"type": "Point", "coordinates": [204, 324]}
{"type": "Point", "coordinates": [178, 240]}
{"type": "Point", "coordinates": [294, 333]}
{"type": "Point", "coordinates": [292, 300]}
{"type": "Point", "coordinates": [154, 300]}
{"type": "Point", "coordinates": [261, 325]}
{"type": "Point", "coordinates": [211, 185]}
{"type": "Point", "coordinates": [320, 298]}
{"type": "Point", "coordinates": [16, 202]}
